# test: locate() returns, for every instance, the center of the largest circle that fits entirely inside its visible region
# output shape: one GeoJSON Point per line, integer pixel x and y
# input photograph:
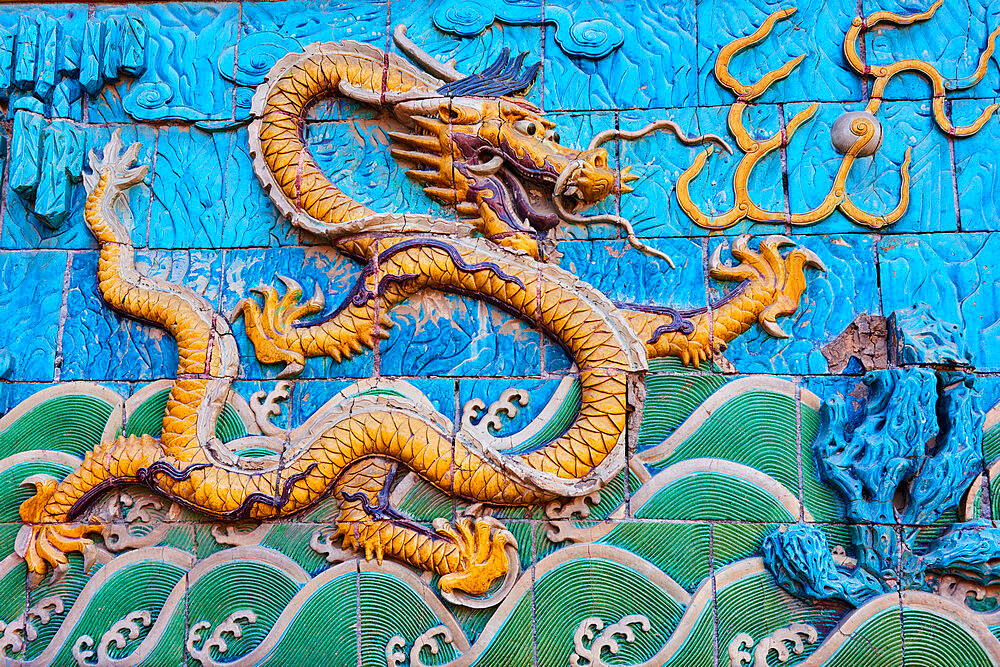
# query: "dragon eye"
{"type": "Point", "coordinates": [552, 135]}
{"type": "Point", "coordinates": [526, 126]}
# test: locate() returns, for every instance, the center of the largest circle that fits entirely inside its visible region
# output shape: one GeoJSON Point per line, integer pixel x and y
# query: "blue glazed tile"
{"type": "Point", "coordinates": [850, 386]}
{"type": "Point", "coordinates": [309, 395]}
{"type": "Point", "coordinates": [440, 392]}
{"type": "Point", "coordinates": [472, 53]}
{"type": "Point", "coordinates": [989, 392]}
{"type": "Point", "coordinates": [816, 31]}
{"type": "Point", "coordinates": [557, 361]}
{"type": "Point", "coordinates": [625, 274]}
{"type": "Point", "coordinates": [182, 80]}
{"type": "Point", "coordinates": [251, 219]}
{"type": "Point", "coordinates": [246, 269]}
{"type": "Point", "coordinates": [575, 131]}
{"type": "Point", "coordinates": [831, 301]}
{"type": "Point", "coordinates": [976, 175]}
{"type": "Point", "coordinates": [873, 183]}
{"type": "Point", "coordinates": [206, 194]}
{"type": "Point", "coordinates": [951, 40]}
{"type": "Point", "coordinates": [655, 66]}
{"type": "Point", "coordinates": [246, 389]}
{"type": "Point", "coordinates": [270, 30]}
{"type": "Point", "coordinates": [712, 190]}
{"type": "Point", "coordinates": [29, 305]}
{"type": "Point", "coordinates": [354, 154]}
{"type": "Point", "coordinates": [100, 344]}
{"type": "Point", "coordinates": [957, 275]}
{"type": "Point", "coordinates": [24, 229]}
{"type": "Point", "coordinates": [189, 204]}
{"type": "Point", "coordinates": [443, 334]}
{"type": "Point", "coordinates": [657, 159]}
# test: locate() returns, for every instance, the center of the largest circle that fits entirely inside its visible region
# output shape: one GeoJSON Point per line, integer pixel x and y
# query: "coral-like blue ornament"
{"type": "Point", "coordinates": [917, 336]}
{"type": "Point", "coordinates": [900, 463]}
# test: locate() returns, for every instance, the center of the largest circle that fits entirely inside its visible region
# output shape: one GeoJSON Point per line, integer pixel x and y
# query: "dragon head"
{"type": "Point", "coordinates": [480, 146]}
{"type": "Point", "coordinates": [476, 143]}
{"type": "Point", "coordinates": [503, 154]}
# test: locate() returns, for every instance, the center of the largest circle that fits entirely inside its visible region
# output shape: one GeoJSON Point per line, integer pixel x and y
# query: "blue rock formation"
{"type": "Point", "coordinates": [44, 69]}
{"type": "Point", "coordinates": [900, 463]}
{"type": "Point", "coordinates": [800, 561]}
{"type": "Point", "coordinates": [47, 160]}
{"type": "Point", "coordinates": [917, 336]}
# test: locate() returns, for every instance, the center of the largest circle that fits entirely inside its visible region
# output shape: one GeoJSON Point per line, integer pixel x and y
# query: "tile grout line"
{"type": "Point", "coordinates": [543, 73]}
{"type": "Point", "coordinates": [534, 610]}
{"type": "Point", "coordinates": [798, 449]}
{"type": "Point", "coordinates": [715, 608]}
{"type": "Point", "coordinates": [863, 51]}
{"type": "Point", "coordinates": [8, 127]}
{"type": "Point", "coordinates": [785, 188]}
{"type": "Point", "coordinates": [954, 171]}
{"type": "Point", "coordinates": [899, 593]}
{"type": "Point", "coordinates": [236, 60]}
{"type": "Point", "coordinates": [152, 186]}
{"type": "Point", "coordinates": [63, 316]}
{"type": "Point", "coordinates": [357, 612]}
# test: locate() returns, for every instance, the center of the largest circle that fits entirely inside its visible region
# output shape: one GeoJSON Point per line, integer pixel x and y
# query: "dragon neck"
{"type": "Point", "coordinates": [299, 188]}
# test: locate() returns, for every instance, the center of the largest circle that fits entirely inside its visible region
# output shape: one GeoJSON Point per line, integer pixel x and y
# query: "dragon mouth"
{"type": "Point", "coordinates": [528, 195]}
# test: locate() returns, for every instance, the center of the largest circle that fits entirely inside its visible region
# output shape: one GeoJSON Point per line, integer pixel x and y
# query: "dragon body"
{"type": "Point", "coordinates": [498, 163]}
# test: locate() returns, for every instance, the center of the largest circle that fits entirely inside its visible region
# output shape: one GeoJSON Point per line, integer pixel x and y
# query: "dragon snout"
{"type": "Point", "coordinates": [590, 180]}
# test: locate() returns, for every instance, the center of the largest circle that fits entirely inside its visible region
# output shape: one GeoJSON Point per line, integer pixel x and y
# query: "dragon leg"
{"type": "Point", "coordinates": [770, 286]}
{"type": "Point", "coordinates": [369, 523]}
{"type": "Point", "coordinates": [353, 454]}
{"type": "Point", "coordinates": [49, 532]}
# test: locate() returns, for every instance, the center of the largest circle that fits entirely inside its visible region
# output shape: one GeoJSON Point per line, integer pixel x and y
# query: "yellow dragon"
{"type": "Point", "coordinates": [477, 145]}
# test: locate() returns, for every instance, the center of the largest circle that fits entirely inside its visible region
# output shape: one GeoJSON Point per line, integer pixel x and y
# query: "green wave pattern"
{"type": "Point", "coordinates": [332, 615]}
{"type": "Point", "coordinates": [70, 423]}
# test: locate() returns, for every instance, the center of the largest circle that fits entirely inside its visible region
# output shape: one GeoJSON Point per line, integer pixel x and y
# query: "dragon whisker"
{"type": "Point", "coordinates": [632, 135]}
{"type": "Point", "coordinates": [624, 223]}
{"type": "Point", "coordinates": [444, 71]}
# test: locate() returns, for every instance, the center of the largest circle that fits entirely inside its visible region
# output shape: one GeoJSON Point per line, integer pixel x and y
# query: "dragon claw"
{"type": "Point", "coordinates": [773, 329]}
{"type": "Point", "coordinates": [483, 559]}
{"type": "Point", "coordinates": [42, 544]}
{"type": "Point", "coordinates": [779, 240]}
{"type": "Point", "coordinates": [267, 324]}
{"type": "Point", "coordinates": [813, 260]}
{"type": "Point", "coordinates": [293, 290]}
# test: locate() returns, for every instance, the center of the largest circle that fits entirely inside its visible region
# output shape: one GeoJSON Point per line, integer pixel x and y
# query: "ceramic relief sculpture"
{"type": "Point", "coordinates": [395, 334]}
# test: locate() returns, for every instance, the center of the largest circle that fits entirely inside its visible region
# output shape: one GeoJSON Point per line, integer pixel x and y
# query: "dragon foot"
{"type": "Point", "coordinates": [44, 546]}
{"type": "Point", "coordinates": [777, 281]}
{"type": "Point", "coordinates": [483, 558]}
{"type": "Point", "coordinates": [267, 325]}
{"type": "Point", "coordinates": [470, 556]}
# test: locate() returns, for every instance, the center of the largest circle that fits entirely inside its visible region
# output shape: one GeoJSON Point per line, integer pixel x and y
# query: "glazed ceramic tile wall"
{"type": "Point", "coordinates": [335, 333]}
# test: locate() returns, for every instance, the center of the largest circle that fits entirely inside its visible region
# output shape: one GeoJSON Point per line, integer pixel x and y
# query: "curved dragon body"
{"type": "Point", "coordinates": [497, 160]}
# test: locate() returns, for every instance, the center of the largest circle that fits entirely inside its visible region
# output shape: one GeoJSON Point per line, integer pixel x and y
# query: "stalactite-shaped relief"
{"type": "Point", "coordinates": [901, 463]}
{"type": "Point", "coordinates": [45, 68]}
